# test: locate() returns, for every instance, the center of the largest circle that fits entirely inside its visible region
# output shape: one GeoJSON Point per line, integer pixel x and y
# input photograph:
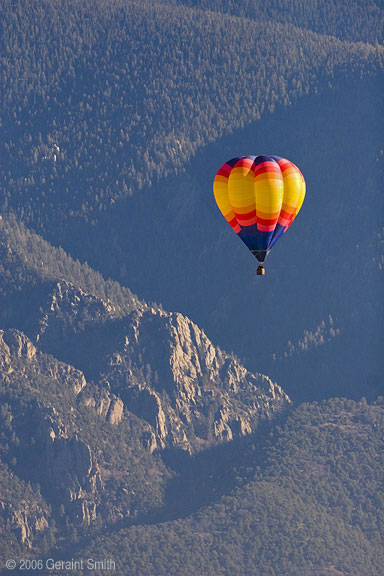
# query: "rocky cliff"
{"type": "Point", "coordinates": [71, 440]}
{"type": "Point", "coordinates": [94, 386]}
{"type": "Point", "coordinates": [161, 365]}
{"type": "Point", "coordinates": [192, 394]}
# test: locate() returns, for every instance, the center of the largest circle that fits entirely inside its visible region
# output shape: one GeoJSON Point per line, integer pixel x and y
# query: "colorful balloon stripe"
{"type": "Point", "coordinates": [259, 196]}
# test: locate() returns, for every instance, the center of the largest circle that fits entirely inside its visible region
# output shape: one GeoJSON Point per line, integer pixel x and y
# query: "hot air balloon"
{"type": "Point", "coordinates": [260, 196]}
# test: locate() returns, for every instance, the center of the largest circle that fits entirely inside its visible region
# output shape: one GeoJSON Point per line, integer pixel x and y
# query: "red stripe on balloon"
{"type": "Point", "coordinates": [263, 228]}
{"type": "Point", "coordinates": [225, 170]}
{"type": "Point", "coordinates": [244, 163]}
{"type": "Point", "coordinates": [247, 221]}
{"type": "Point", "coordinates": [267, 222]}
{"type": "Point", "coordinates": [267, 167]}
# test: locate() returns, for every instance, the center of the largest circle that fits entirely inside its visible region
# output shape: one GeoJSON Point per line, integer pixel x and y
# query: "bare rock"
{"type": "Point", "coordinates": [19, 345]}
{"type": "Point", "coordinates": [115, 412]}
{"type": "Point", "coordinates": [15, 346]}
{"type": "Point", "coordinates": [27, 517]}
{"type": "Point", "coordinates": [193, 394]}
{"type": "Point", "coordinates": [68, 306]}
{"type": "Point", "coordinates": [148, 440]}
{"type": "Point", "coordinates": [106, 404]}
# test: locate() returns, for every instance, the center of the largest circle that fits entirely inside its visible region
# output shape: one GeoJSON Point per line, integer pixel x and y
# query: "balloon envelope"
{"type": "Point", "coordinates": [259, 196]}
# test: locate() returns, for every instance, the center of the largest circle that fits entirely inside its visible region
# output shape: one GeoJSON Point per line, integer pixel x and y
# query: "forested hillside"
{"type": "Point", "coordinates": [117, 114]}
{"type": "Point", "coordinates": [358, 20]}
{"type": "Point", "coordinates": [29, 263]}
{"type": "Point", "coordinates": [160, 405]}
{"type": "Point", "coordinates": [309, 506]}
{"type": "Point", "coordinates": [328, 264]}
{"type": "Point", "coordinates": [104, 98]}
{"type": "Point", "coordinates": [96, 387]}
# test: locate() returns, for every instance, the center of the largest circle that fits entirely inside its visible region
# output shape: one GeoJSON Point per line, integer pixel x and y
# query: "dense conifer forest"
{"type": "Point", "coordinates": [104, 98]}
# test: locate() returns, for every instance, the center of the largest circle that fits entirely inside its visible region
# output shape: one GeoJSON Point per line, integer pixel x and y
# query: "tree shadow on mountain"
{"type": "Point", "coordinates": [202, 479]}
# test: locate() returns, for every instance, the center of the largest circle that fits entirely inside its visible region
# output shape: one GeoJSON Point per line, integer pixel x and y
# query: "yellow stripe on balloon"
{"type": "Point", "coordinates": [301, 199]}
{"type": "Point", "coordinates": [241, 187]}
{"type": "Point", "coordinates": [269, 195]}
{"type": "Point", "coordinates": [220, 190]}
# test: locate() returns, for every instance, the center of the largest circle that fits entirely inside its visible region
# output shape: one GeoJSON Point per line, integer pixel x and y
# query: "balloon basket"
{"type": "Point", "coordinates": [260, 271]}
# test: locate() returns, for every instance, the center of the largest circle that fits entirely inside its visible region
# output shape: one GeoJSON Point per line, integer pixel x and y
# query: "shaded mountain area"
{"type": "Point", "coordinates": [96, 391]}
{"type": "Point", "coordinates": [160, 363]}
{"type": "Point", "coordinates": [328, 264]}
{"type": "Point", "coordinates": [312, 508]}
{"type": "Point", "coordinates": [129, 424]}
{"type": "Point", "coordinates": [357, 20]}
{"type": "Point", "coordinates": [117, 116]}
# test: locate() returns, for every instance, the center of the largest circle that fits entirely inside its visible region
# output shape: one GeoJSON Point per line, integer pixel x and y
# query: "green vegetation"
{"type": "Point", "coordinates": [29, 264]}
{"type": "Point", "coordinates": [101, 99]}
{"type": "Point", "coordinates": [357, 20]}
{"type": "Point", "coordinates": [315, 505]}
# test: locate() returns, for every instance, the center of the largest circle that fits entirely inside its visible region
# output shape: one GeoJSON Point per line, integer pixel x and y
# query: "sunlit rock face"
{"type": "Point", "coordinates": [160, 366]}
{"type": "Point", "coordinates": [193, 394]}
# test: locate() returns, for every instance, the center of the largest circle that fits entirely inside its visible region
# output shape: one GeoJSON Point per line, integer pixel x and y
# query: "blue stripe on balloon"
{"type": "Point", "coordinates": [277, 233]}
{"type": "Point", "coordinates": [255, 239]}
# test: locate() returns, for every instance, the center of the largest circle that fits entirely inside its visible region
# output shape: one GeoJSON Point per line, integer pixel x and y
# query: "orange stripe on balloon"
{"type": "Point", "coordinates": [267, 215]}
{"type": "Point", "coordinates": [241, 214]}
{"type": "Point", "coordinates": [287, 213]}
{"type": "Point", "coordinates": [244, 209]}
{"type": "Point", "coordinates": [220, 178]}
{"type": "Point", "coordinates": [270, 175]}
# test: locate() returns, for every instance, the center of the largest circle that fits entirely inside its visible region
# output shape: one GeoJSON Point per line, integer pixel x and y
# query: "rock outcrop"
{"type": "Point", "coordinates": [160, 365]}
{"type": "Point", "coordinates": [68, 308]}
{"type": "Point", "coordinates": [22, 509]}
{"type": "Point", "coordinates": [58, 433]}
{"type": "Point", "coordinates": [91, 389]}
{"type": "Point", "coordinates": [71, 471]}
{"type": "Point", "coordinates": [18, 352]}
{"type": "Point", "coordinates": [193, 394]}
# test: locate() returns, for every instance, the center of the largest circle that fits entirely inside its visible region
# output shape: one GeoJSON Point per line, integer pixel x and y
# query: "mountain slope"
{"type": "Point", "coordinates": [314, 508]}
{"type": "Point", "coordinates": [143, 98]}
{"type": "Point", "coordinates": [357, 20]}
{"type": "Point", "coordinates": [75, 443]}
{"type": "Point", "coordinates": [327, 264]}
{"type": "Point", "coordinates": [126, 432]}
{"type": "Point", "coordinates": [162, 365]}
{"type": "Point", "coordinates": [96, 387]}
{"type": "Point", "coordinates": [104, 99]}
